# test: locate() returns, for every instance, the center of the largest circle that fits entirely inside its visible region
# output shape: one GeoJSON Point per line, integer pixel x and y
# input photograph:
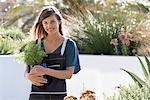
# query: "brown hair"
{"type": "Point", "coordinates": [37, 29]}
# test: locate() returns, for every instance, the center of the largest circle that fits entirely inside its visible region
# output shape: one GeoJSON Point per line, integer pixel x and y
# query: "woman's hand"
{"type": "Point", "coordinates": [36, 75]}
{"type": "Point", "coordinates": [36, 79]}
{"type": "Point", "coordinates": [38, 69]}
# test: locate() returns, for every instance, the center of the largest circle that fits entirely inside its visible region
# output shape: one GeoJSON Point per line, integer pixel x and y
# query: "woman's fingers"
{"type": "Point", "coordinates": [37, 79]}
{"type": "Point", "coordinates": [37, 84]}
{"type": "Point", "coordinates": [41, 80]}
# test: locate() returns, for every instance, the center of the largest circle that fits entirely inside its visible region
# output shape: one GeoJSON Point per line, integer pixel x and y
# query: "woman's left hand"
{"type": "Point", "coordinates": [38, 69]}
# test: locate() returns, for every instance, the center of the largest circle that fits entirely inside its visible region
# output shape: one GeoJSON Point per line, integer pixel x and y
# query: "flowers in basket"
{"type": "Point", "coordinates": [31, 53]}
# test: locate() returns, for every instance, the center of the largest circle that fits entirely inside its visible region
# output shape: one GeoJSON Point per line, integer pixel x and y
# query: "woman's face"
{"type": "Point", "coordinates": [51, 25]}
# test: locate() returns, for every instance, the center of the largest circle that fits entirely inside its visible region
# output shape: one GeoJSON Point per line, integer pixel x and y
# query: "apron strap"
{"type": "Point", "coordinates": [63, 46]}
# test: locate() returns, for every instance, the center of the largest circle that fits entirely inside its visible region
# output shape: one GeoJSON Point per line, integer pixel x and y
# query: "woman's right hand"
{"type": "Point", "coordinates": [36, 79]}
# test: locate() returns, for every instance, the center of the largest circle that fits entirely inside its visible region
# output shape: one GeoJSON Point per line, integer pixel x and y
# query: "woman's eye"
{"type": "Point", "coordinates": [45, 22]}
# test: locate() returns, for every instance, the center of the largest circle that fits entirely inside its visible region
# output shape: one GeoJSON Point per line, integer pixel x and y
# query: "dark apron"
{"type": "Point", "coordinates": [55, 89]}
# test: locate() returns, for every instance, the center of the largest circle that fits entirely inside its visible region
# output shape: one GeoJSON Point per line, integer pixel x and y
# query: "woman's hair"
{"type": "Point", "coordinates": [37, 29]}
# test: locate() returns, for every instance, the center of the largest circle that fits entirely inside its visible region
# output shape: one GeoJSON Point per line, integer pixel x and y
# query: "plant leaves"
{"type": "Point", "coordinates": [148, 64]}
{"type": "Point", "coordinates": [143, 68]}
{"type": "Point", "coordinates": [135, 78]}
{"type": "Point", "coordinates": [31, 53]}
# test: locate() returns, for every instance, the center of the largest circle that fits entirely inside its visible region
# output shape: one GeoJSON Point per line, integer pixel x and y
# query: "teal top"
{"type": "Point", "coordinates": [71, 55]}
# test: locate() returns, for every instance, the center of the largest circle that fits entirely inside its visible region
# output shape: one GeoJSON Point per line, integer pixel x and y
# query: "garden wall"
{"type": "Point", "coordinates": [99, 73]}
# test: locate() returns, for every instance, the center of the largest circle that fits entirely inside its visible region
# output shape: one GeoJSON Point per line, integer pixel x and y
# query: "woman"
{"type": "Point", "coordinates": [48, 78]}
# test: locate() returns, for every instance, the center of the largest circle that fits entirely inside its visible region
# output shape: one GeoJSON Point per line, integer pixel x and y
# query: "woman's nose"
{"type": "Point", "coordinates": [49, 25]}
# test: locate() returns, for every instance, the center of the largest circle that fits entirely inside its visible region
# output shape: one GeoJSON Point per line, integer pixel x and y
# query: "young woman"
{"type": "Point", "coordinates": [48, 78]}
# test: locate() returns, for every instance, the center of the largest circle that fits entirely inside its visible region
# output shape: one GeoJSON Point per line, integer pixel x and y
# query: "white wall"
{"type": "Point", "coordinates": [99, 73]}
{"type": "Point", "coordinates": [13, 85]}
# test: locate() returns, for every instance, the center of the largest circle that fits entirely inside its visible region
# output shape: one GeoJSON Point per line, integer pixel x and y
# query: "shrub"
{"type": "Point", "coordinates": [97, 31]}
{"type": "Point", "coordinates": [11, 39]}
{"type": "Point", "coordinates": [138, 91]}
{"type": "Point", "coordinates": [146, 73]}
{"type": "Point", "coordinates": [6, 46]}
{"type": "Point", "coordinates": [123, 44]}
{"type": "Point", "coordinates": [141, 34]}
{"type": "Point", "coordinates": [132, 92]}
{"type": "Point", "coordinates": [12, 32]}
{"type": "Point", "coordinates": [98, 28]}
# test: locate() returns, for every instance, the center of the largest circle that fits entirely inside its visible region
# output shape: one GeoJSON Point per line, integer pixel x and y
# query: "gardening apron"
{"type": "Point", "coordinates": [55, 89]}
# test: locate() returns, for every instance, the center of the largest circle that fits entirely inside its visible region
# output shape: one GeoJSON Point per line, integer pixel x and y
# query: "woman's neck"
{"type": "Point", "coordinates": [54, 38]}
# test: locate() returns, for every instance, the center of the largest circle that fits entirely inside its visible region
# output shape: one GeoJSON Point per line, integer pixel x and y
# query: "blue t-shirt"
{"type": "Point", "coordinates": [71, 55]}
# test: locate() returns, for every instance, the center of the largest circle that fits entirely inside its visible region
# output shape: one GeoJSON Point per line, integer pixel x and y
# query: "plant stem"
{"type": "Point", "coordinates": [116, 50]}
{"type": "Point", "coordinates": [124, 50]}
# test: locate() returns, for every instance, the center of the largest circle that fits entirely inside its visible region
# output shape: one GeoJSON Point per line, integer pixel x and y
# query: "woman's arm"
{"type": "Point", "coordinates": [61, 74]}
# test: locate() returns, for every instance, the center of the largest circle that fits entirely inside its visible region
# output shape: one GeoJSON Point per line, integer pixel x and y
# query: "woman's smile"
{"type": "Point", "coordinates": [50, 29]}
{"type": "Point", "coordinates": [51, 24]}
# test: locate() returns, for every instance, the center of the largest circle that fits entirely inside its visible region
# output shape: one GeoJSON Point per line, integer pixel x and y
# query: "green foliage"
{"type": "Point", "coordinates": [97, 32]}
{"type": "Point", "coordinates": [31, 53]}
{"type": "Point", "coordinates": [10, 40]}
{"type": "Point", "coordinates": [138, 91]}
{"type": "Point", "coordinates": [98, 28]}
{"type": "Point", "coordinates": [6, 46]}
{"type": "Point", "coordinates": [146, 73]}
{"type": "Point", "coordinates": [133, 92]}
{"type": "Point", "coordinates": [12, 32]}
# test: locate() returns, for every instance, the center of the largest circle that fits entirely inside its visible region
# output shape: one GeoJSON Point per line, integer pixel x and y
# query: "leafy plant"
{"type": "Point", "coordinates": [12, 32]}
{"type": "Point", "coordinates": [132, 92]}
{"type": "Point", "coordinates": [11, 39]}
{"type": "Point", "coordinates": [138, 91]}
{"type": "Point", "coordinates": [97, 28]}
{"type": "Point", "coordinates": [6, 46]}
{"type": "Point", "coordinates": [146, 72]}
{"type": "Point", "coordinates": [31, 53]}
{"type": "Point", "coordinates": [97, 31]}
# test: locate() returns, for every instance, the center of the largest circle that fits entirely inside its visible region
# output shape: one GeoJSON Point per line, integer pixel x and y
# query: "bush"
{"type": "Point", "coordinates": [11, 40]}
{"type": "Point", "coordinates": [6, 46]}
{"type": "Point", "coordinates": [146, 72]}
{"type": "Point", "coordinates": [97, 28]}
{"type": "Point", "coordinates": [12, 32]}
{"type": "Point", "coordinates": [133, 92]}
{"type": "Point", "coordinates": [124, 45]}
{"type": "Point", "coordinates": [141, 34]}
{"type": "Point", "coordinates": [138, 91]}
